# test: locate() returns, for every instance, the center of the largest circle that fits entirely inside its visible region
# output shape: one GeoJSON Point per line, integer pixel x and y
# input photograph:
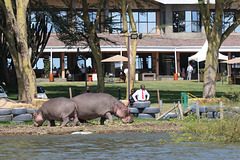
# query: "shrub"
{"type": "Point", "coordinates": [232, 95]}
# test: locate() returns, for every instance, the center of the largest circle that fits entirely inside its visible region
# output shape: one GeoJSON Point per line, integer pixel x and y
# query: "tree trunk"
{"type": "Point", "coordinates": [133, 52]}
{"type": "Point", "coordinates": [94, 44]}
{"type": "Point", "coordinates": [17, 32]}
{"type": "Point", "coordinates": [209, 85]}
{"type": "Point", "coordinates": [132, 57]}
{"type": "Point", "coordinates": [106, 14]}
{"type": "Point", "coordinates": [4, 73]}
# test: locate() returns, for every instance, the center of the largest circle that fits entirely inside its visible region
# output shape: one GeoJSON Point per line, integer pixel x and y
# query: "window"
{"type": "Point", "coordinates": [80, 22]}
{"type": "Point", "coordinates": [143, 61]}
{"type": "Point", "coordinates": [116, 25]}
{"type": "Point", "coordinates": [63, 15]}
{"type": "Point", "coordinates": [39, 64]}
{"type": "Point", "coordinates": [236, 65]}
{"type": "Point", "coordinates": [34, 18]}
{"type": "Point", "coordinates": [228, 20]}
{"type": "Point", "coordinates": [145, 22]}
{"type": "Point", "coordinates": [186, 21]}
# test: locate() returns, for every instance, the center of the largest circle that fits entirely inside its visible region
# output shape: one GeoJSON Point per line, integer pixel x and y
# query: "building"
{"type": "Point", "coordinates": [164, 51]}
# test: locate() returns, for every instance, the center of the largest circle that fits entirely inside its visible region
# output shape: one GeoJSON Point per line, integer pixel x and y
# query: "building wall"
{"type": "Point", "coordinates": [169, 16]}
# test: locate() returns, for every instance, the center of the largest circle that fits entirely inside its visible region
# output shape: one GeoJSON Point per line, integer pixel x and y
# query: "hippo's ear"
{"type": "Point", "coordinates": [124, 107]}
{"type": "Point", "coordinates": [35, 114]}
{"type": "Point", "coordinates": [128, 111]}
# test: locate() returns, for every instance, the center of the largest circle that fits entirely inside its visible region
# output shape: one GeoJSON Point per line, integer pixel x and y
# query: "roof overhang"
{"type": "Point", "coordinates": [73, 49]}
{"type": "Point", "coordinates": [181, 1]}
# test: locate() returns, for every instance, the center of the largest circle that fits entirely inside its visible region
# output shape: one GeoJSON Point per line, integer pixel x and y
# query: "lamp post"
{"type": "Point", "coordinates": [128, 66]}
{"type": "Point", "coordinates": [134, 35]}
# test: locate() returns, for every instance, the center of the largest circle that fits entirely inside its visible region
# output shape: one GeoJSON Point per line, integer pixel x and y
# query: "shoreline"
{"type": "Point", "coordinates": [143, 127]}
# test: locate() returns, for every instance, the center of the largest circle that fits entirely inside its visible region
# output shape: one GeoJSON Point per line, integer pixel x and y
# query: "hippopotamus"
{"type": "Point", "coordinates": [94, 105]}
{"type": "Point", "coordinates": [59, 109]}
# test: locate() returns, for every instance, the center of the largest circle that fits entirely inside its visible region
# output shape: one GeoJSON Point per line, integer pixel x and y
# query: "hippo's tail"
{"type": "Point", "coordinates": [75, 108]}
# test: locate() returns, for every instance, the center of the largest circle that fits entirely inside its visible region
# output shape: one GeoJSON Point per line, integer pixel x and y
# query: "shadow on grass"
{"type": "Point", "coordinates": [165, 96]}
{"type": "Point", "coordinates": [62, 90]}
{"type": "Point", "coordinates": [169, 96]}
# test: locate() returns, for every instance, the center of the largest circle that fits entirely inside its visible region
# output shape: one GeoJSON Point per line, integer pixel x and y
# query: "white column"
{"type": "Point", "coordinates": [175, 56]}
{"type": "Point", "coordinates": [62, 64]}
{"type": "Point", "coordinates": [51, 62]}
{"type": "Point", "coordinates": [198, 71]}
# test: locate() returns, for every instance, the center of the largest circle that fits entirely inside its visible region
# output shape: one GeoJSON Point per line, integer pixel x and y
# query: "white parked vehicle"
{"type": "Point", "coordinates": [3, 94]}
{"type": "Point", "coordinates": [41, 93]}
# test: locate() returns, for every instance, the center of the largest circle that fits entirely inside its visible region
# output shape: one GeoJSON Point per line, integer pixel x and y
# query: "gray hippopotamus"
{"type": "Point", "coordinates": [59, 109]}
{"type": "Point", "coordinates": [94, 105]}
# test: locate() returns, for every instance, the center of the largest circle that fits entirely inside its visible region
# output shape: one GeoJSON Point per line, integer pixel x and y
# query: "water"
{"type": "Point", "coordinates": [139, 146]}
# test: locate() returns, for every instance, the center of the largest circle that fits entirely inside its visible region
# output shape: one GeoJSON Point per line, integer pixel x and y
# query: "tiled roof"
{"type": "Point", "coordinates": [153, 40]}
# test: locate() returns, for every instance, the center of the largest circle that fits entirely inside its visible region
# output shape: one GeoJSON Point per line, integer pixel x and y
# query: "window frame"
{"type": "Point", "coordinates": [138, 22]}
{"type": "Point", "coordinates": [180, 23]}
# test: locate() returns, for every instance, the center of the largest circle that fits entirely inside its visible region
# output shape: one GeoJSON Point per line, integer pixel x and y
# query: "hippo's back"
{"type": "Point", "coordinates": [57, 106]}
{"type": "Point", "coordinates": [93, 105]}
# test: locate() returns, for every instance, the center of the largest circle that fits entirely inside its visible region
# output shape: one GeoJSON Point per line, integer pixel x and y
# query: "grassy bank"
{"type": "Point", "coordinates": [205, 130]}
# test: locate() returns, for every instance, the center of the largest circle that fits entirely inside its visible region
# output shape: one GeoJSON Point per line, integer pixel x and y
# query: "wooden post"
{"type": "Point", "coordinates": [221, 110]}
{"type": "Point", "coordinates": [165, 113]}
{"type": "Point", "coordinates": [159, 102]}
{"type": "Point", "coordinates": [180, 110]}
{"type": "Point", "coordinates": [176, 110]}
{"type": "Point", "coordinates": [197, 111]}
{"type": "Point", "coordinates": [70, 92]}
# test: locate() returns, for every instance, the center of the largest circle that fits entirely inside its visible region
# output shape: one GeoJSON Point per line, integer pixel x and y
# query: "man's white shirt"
{"type": "Point", "coordinates": [141, 95]}
{"type": "Point", "coordinates": [189, 69]}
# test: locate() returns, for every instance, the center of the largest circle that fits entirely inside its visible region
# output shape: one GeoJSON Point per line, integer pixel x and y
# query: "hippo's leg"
{"type": "Point", "coordinates": [107, 116]}
{"type": "Point", "coordinates": [102, 120]}
{"type": "Point", "coordinates": [82, 121]}
{"type": "Point", "coordinates": [65, 121]}
{"type": "Point", "coordinates": [51, 123]}
{"type": "Point", "coordinates": [75, 120]}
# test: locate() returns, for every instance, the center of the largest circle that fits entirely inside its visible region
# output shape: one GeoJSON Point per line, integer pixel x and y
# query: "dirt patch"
{"type": "Point", "coordinates": [146, 127]}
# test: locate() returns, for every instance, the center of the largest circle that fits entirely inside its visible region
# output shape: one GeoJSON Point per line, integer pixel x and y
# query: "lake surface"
{"type": "Point", "coordinates": [139, 146]}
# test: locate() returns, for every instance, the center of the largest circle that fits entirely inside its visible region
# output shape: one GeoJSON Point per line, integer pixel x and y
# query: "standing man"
{"type": "Point", "coordinates": [189, 71]}
{"type": "Point", "coordinates": [141, 94]}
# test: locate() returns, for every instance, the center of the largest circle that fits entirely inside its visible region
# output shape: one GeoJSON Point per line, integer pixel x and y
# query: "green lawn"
{"type": "Point", "coordinates": [170, 91]}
